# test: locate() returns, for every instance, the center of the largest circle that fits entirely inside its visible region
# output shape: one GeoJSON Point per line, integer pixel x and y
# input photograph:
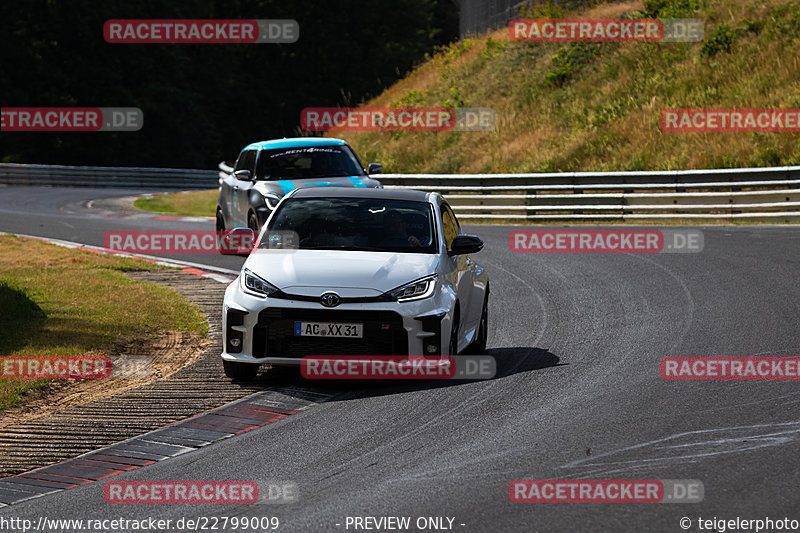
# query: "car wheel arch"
{"type": "Point", "coordinates": [455, 327]}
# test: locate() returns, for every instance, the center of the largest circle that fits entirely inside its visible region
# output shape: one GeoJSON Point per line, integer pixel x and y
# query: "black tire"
{"type": "Point", "coordinates": [240, 371]}
{"type": "Point", "coordinates": [452, 350]}
{"type": "Point", "coordinates": [220, 221]}
{"type": "Point", "coordinates": [252, 222]}
{"type": "Point", "coordinates": [479, 344]}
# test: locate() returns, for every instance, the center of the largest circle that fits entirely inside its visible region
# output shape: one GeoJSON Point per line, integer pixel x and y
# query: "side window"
{"type": "Point", "coordinates": [449, 225]}
{"type": "Point", "coordinates": [246, 161]}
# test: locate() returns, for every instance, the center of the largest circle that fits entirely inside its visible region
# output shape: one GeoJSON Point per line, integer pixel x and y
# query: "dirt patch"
{"type": "Point", "coordinates": [614, 10]}
{"type": "Point", "coordinates": [166, 354]}
{"type": "Point", "coordinates": [79, 425]}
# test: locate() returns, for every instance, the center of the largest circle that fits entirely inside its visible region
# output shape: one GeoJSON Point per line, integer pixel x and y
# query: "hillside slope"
{"type": "Point", "coordinates": [596, 106]}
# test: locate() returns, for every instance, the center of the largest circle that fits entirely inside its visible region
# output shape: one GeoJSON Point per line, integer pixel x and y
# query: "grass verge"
{"type": "Point", "coordinates": [188, 204]}
{"type": "Point", "coordinates": [596, 106]}
{"type": "Point", "coordinates": [57, 301]}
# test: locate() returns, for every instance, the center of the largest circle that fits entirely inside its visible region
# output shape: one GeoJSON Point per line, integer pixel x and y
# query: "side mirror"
{"type": "Point", "coordinates": [374, 168]}
{"type": "Point", "coordinates": [238, 241]}
{"type": "Point", "coordinates": [244, 175]}
{"type": "Point", "coordinates": [465, 244]}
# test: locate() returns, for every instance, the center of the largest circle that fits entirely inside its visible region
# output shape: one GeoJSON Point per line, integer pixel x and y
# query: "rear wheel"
{"type": "Point", "coordinates": [252, 222]}
{"type": "Point", "coordinates": [220, 221]}
{"type": "Point", "coordinates": [240, 371]}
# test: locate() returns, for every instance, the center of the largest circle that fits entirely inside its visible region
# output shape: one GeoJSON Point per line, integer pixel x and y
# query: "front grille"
{"type": "Point", "coordinates": [280, 295]}
{"type": "Point", "coordinates": [274, 334]}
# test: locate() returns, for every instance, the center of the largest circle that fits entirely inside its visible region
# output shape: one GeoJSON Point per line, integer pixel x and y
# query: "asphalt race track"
{"type": "Point", "coordinates": [578, 339]}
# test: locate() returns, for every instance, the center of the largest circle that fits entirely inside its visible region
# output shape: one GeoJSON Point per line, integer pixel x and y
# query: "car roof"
{"type": "Point", "coordinates": [357, 192]}
{"type": "Point", "coordinates": [295, 142]}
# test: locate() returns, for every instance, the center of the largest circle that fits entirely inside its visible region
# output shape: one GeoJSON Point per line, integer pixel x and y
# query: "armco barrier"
{"type": "Point", "coordinates": [749, 194]}
{"type": "Point", "coordinates": [127, 177]}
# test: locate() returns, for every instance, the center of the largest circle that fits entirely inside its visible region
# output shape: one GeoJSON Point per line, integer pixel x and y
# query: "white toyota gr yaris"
{"type": "Point", "coordinates": [355, 271]}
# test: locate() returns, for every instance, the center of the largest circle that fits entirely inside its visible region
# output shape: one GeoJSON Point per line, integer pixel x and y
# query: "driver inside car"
{"type": "Point", "coordinates": [395, 233]}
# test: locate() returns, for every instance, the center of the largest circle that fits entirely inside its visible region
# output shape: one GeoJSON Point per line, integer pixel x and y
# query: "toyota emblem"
{"type": "Point", "coordinates": [330, 299]}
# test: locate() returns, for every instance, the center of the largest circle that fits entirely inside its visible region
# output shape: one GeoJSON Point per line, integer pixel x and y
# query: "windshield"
{"type": "Point", "coordinates": [365, 224]}
{"type": "Point", "coordinates": [308, 162]}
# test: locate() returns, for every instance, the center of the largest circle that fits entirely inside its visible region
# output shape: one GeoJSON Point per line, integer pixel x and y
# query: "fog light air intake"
{"type": "Point", "coordinates": [433, 324]}
{"type": "Point", "coordinates": [234, 340]}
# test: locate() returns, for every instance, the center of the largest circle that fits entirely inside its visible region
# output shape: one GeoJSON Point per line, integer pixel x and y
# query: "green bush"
{"type": "Point", "coordinates": [721, 40]}
{"type": "Point", "coordinates": [569, 60]}
{"type": "Point", "coordinates": [670, 8]}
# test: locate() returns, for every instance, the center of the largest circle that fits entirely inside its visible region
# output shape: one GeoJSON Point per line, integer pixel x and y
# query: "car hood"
{"type": "Point", "coordinates": [349, 273]}
{"type": "Point", "coordinates": [285, 186]}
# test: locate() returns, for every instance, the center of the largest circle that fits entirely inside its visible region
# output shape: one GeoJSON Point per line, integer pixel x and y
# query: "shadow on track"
{"type": "Point", "coordinates": [510, 361]}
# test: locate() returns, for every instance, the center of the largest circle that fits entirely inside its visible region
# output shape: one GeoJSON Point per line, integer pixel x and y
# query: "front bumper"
{"type": "Point", "coordinates": [261, 330]}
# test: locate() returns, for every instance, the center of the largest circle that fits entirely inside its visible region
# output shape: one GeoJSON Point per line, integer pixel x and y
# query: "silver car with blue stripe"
{"type": "Point", "coordinates": [266, 171]}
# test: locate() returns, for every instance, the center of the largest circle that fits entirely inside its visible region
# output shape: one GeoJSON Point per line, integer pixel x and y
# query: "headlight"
{"type": "Point", "coordinates": [271, 200]}
{"type": "Point", "coordinates": [416, 290]}
{"type": "Point", "coordinates": [252, 284]}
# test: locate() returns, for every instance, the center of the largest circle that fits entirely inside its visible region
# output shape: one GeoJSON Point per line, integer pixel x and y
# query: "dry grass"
{"type": "Point", "coordinates": [604, 116]}
{"type": "Point", "coordinates": [57, 301]}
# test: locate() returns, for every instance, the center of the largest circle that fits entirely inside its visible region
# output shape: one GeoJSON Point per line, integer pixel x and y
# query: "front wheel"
{"type": "Point", "coordinates": [240, 371]}
{"type": "Point", "coordinates": [479, 346]}
{"type": "Point", "coordinates": [453, 349]}
{"type": "Point", "coordinates": [220, 229]}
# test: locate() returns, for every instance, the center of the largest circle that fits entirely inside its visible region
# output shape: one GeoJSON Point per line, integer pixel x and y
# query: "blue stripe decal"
{"type": "Point", "coordinates": [286, 185]}
{"type": "Point", "coordinates": [357, 183]}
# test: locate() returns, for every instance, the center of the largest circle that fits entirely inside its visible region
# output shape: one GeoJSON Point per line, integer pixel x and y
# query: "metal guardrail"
{"type": "Point", "coordinates": [127, 177]}
{"type": "Point", "coordinates": [750, 194]}
{"type": "Point", "coordinates": [593, 178]}
{"type": "Point", "coordinates": [766, 194]}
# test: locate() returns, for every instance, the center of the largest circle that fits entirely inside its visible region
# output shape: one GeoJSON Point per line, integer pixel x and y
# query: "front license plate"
{"type": "Point", "coordinates": [328, 329]}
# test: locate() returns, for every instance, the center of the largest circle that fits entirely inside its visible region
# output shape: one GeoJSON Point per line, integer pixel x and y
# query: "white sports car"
{"type": "Point", "coordinates": [350, 271]}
